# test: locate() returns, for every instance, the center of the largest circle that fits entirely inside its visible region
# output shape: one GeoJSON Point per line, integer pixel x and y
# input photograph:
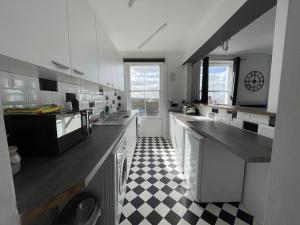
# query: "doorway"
{"type": "Point", "coordinates": [144, 93]}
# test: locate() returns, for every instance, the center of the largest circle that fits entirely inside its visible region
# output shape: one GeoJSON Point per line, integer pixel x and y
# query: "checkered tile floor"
{"type": "Point", "coordinates": [157, 193]}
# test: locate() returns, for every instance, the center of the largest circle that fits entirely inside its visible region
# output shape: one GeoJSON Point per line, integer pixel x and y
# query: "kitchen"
{"type": "Point", "coordinates": [92, 106]}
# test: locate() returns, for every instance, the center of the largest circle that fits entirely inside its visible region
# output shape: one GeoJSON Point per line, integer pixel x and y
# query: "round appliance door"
{"type": "Point", "coordinates": [123, 175]}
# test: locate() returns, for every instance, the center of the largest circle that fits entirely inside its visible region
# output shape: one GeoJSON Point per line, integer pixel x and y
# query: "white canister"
{"type": "Point", "coordinates": [15, 159]}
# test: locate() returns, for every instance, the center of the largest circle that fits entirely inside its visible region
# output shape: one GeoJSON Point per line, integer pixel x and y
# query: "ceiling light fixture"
{"type": "Point", "coordinates": [152, 35]}
{"type": "Point", "coordinates": [225, 45]}
{"type": "Point", "coordinates": [130, 3]}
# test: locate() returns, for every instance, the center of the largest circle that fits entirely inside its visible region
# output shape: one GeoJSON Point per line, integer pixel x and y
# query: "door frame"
{"type": "Point", "coordinates": [162, 95]}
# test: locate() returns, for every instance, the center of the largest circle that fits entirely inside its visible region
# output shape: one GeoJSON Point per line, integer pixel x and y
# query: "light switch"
{"type": "Point", "coordinates": [173, 77]}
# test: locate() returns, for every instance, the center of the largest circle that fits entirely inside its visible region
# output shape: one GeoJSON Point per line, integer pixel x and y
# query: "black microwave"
{"type": "Point", "coordinates": [44, 135]}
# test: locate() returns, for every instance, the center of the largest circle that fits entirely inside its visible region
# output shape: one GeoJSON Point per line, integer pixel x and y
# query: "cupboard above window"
{"type": "Point", "coordinates": [60, 35]}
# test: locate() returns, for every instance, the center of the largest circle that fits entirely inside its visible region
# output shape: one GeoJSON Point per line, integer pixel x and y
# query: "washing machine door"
{"type": "Point", "coordinates": [121, 188]}
{"type": "Point", "coordinates": [123, 175]}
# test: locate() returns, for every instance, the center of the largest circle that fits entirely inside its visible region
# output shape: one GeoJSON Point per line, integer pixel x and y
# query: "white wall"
{"type": "Point", "coordinates": [277, 57]}
{"type": "Point", "coordinates": [8, 207]}
{"type": "Point", "coordinates": [251, 62]}
{"type": "Point", "coordinates": [284, 193]}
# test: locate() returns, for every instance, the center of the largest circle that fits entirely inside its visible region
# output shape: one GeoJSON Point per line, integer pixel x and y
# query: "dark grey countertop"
{"type": "Point", "coordinates": [41, 179]}
{"type": "Point", "coordinates": [247, 145]}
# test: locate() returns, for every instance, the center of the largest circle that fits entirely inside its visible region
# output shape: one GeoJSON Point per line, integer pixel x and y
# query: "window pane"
{"type": "Point", "coordinates": [145, 89]}
{"type": "Point", "coordinates": [137, 78]}
{"type": "Point", "coordinates": [152, 78]}
{"type": "Point", "coordinates": [220, 82]}
{"type": "Point", "coordinates": [152, 103]}
{"type": "Point", "coordinates": [218, 78]}
{"type": "Point", "coordinates": [138, 102]}
{"type": "Point", "coordinates": [218, 97]}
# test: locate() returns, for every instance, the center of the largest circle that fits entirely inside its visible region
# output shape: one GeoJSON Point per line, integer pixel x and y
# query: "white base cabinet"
{"type": "Point", "coordinates": [131, 142]}
{"type": "Point", "coordinates": [180, 128]}
{"type": "Point", "coordinates": [172, 129]}
{"type": "Point", "coordinates": [213, 173]}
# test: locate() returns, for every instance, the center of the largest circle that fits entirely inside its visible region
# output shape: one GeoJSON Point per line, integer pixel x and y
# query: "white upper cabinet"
{"type": "Point", "coordinates": [83, 40]}
{"type": "Point", "coordinates": [104, 56]}
{"type": "Point", "coordinates": [36, 31]}
{"type": "Point", "coordinates": [118, 71]}
{"type": "Point", "coordinates": [111, 72]}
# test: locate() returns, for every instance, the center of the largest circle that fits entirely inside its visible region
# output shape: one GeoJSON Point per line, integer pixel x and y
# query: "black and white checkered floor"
{"type": "Point", "coordinates": [157, 193]}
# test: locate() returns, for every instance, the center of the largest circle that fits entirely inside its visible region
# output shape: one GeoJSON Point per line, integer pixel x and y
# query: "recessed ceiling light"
{"type": "Point", "coordinates": [152, 35]}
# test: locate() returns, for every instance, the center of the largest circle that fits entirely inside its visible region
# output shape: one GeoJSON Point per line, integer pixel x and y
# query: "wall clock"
{"type": "Point", "coordinates": [254, 81]}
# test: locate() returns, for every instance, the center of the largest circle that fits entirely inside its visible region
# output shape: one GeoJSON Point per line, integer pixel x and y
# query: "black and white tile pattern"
{"type": "Point", "coordinates": [157, 192]}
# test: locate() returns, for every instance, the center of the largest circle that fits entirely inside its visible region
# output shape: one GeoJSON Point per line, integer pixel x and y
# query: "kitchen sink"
{"type": "Point", "coordinates": [114, 119]}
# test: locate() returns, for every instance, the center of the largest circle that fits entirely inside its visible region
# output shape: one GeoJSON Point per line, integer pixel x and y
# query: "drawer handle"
{"type": "Point", "coordinates": [78, 72]}
{"type": "Point", "coordinates": [60, 65]}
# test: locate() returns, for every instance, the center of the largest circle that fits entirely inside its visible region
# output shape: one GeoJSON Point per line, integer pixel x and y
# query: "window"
{"type": "Point", "coordinates": [220, 77]}
{"type": "Point", "coordinates": [144, 88]}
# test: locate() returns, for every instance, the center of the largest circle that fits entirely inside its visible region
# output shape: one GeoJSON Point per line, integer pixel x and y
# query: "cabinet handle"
{"type": "Point", "coordinates": [60, 65]}
{"type": "Point", "coordinates": [78, 72]}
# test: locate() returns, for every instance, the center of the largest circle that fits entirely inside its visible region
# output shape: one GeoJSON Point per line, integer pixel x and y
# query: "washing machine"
{"type": "Point", "coordinates": [120, 175]}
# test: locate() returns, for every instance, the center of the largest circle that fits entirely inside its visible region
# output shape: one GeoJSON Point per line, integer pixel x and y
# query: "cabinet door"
{"type": "Point", "coordinates": [111, 70]}
{"type": "Point", "coordinates": [172, 129]}
{"type": "Point", "coordinates": [36, 31]}
{"type": "Point", "coordinates": [119, 72]}
{"type": "Point", "coordinates": [83, 40]}
{"type": "Point", "coordinates": [104, 56]}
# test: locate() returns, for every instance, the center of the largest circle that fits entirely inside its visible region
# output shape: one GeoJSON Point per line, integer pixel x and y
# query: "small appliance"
{"type": "Point", "coordinates": [47, 134]}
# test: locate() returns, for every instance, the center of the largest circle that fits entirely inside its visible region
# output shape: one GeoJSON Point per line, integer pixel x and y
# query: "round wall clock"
{"type": "Point", "coordinates": [254, 81]}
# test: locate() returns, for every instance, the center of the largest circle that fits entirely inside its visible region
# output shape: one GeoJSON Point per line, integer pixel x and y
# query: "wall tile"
{"type": "Point", "coordinates": [9, 96]}
{"type": "Point", "coordinates": [261, 119]}
{"type": "Point", "coordinates": [5, 80]}
{"type": "Point", "coordinates": [19, 90]}
{"type": "Point", "coordinates": [237, 123]}
{"type": "Point", "coordinates": [243, 116]}
{"type": "Point", "coordinates": [266, 131]}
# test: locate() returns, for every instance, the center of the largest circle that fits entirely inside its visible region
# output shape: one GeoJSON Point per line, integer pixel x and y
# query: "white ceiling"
{"type": "Point", "coordinates": [129, 27]}
{"type": "Point", "coordinates": [257, 37]}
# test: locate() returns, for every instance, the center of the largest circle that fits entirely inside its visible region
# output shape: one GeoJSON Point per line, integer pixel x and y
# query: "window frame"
{"type": "Point", "coordinates": [128, 86]}
{"type": "Point", "coordinates": [229, 63]}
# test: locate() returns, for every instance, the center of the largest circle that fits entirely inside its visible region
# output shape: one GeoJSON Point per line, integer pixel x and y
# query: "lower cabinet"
{"type": "Point", "coordinates": [213, 173]}
{"type": "Point", "coordinates": [172, 129]}
{"type": "Point", "coordinates": [180, 128]}
{"type": "Point", "coordinates": [131, 142]}
{"type": "Point", "coordinates": [103, 187]}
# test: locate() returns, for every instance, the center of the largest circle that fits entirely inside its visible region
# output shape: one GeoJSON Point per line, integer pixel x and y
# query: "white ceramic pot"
{"type": "Point", "coordinates": [15, 159]}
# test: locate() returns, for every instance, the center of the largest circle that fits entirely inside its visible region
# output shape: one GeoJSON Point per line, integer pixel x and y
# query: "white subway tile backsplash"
{"type": "Point", "coordinates": [243, 116]}
{"type": "Point", "coordinates": [222, 111]}
{"type": "Point", "coordinates": [226, 120]}
{"type": "Point", "coordinates": [266, 131]}
{"type": "Point", "coordinates": [18, 90]}
{"type": "Point", "coordinates": [5, 80]}
{"type": "Point", "coordinates": [11, 96]}
{"type": "Point", "coordinates": [237, 123]}
{"type": "Point", "coordinates": [261, 119]}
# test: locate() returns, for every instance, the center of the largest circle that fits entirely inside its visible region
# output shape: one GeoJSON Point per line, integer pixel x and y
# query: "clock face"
{"type": "Point", "coordinates": [254, 81]}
